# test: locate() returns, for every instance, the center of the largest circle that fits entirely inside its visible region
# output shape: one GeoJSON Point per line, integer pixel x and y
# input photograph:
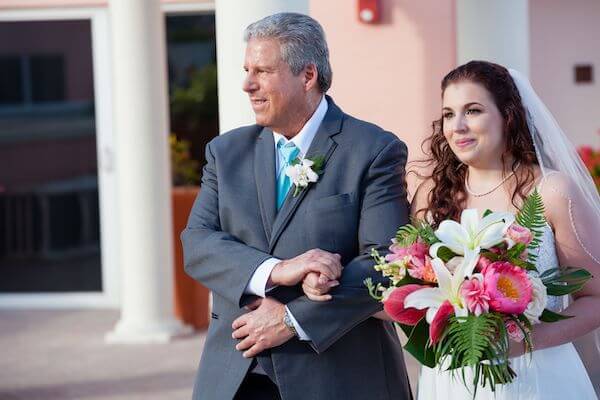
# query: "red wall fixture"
{"type": "Point", "coordinates": [369, 11]}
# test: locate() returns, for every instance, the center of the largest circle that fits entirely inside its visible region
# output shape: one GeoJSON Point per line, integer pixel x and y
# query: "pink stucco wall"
{"type": "Point", "coordinates": [389, 73]}
{"type": "Point", "coordinates": [70, 39]}
{"type": "Point", "coordinates": [563, 34]}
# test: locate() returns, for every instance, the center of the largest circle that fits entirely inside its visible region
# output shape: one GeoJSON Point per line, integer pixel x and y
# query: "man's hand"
{"type": "Point", "coordinates": [316, 286]}
{"type": "Point", "coordinates": [262, 328]}
{"type": "Point", "coordinates": [291, 272]}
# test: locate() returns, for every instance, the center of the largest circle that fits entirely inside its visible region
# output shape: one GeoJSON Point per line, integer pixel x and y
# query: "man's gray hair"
{"type": "Point", "coordinates": [302, 42]}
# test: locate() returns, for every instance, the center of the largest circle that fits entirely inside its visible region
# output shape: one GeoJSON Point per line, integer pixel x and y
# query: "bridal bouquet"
{"type": "Point", "coordinates": [461, 292]}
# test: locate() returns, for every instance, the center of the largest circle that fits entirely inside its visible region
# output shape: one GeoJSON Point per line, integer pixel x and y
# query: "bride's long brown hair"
{"type": "Point", "coordinates": [448, 197]}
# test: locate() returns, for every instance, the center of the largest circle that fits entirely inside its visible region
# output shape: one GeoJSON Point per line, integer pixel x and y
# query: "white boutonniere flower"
{"type": "Point", "coordinates": [303, 172]}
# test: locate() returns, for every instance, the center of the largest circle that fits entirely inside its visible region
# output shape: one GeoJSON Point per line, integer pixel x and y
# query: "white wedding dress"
{"type": "Point", "coordinates": [548, 374]}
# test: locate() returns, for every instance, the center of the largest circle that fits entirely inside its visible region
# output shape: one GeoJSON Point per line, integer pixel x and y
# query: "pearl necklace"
{"type": "Point", "coordinates": [492, 189]}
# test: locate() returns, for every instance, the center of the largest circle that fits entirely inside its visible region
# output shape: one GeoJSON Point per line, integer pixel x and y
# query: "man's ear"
{"type": "Point", "coordinates": [310, 77]}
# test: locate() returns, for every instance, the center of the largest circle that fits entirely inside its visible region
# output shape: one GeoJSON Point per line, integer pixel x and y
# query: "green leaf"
{"type": "Point", "coordinates": [551, 316]}
{"type": "Point", "coordinates": [319, 162]}
{"type": "Point", "coordinates": [487, 212]}
{"type": "Point", "coordinates": [418, 342]}
{"type": "Point", "coordinates": [531, 216]}
{"type": "Point", "coordinates": [407, 235]}
{"type": "Point", "coordinates": [516, 250]}
{"type": "Point", "coordinates": [409, 280]}
{"type": "Point", "coordinates": [562, 281]}
{"type": "Point", "coordinates": [445, 254]}
{"type": "Point", "coordinates": [523, 264]}
{"type": "Point", "coordinates": [491, 256]}
{"type": "Point", "coordinates": [480, 343]}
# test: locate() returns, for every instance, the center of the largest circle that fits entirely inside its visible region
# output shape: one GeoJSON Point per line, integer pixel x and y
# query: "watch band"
{"type": "Point", "coordinates": [287, 321]}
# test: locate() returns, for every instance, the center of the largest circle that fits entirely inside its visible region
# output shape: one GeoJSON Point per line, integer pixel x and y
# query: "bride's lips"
{"type": "Point", "coordinates": [464, 143]}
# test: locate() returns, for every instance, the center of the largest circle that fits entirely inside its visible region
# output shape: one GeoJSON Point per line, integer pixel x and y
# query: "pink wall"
{"type": "Point", "coordinates": [564, 34]}
{"type": "Point", "coordinates": [71, 39]}
{"type": "Point", "coordinates": [389, 73]}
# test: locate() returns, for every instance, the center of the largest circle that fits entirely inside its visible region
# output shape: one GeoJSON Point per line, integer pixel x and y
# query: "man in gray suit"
{"type": "Point", "coordinates": [287, 322]}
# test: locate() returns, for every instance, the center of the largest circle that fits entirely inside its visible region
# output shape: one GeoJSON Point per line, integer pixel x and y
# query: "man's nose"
{"type": "Point", "coordinates": [249, 85]}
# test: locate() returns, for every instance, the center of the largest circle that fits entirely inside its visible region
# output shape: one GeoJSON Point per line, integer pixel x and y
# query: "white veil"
{"type": "Point", "coordinates": [556, 153]}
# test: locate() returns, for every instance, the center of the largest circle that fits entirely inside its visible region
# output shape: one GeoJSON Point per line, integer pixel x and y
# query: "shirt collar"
{"type": "Point", "coordinates": [306, 135]}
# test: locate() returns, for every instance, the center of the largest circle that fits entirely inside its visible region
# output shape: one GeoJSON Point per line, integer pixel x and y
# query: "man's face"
{"type": "Point", "coordinates": [277, 96]}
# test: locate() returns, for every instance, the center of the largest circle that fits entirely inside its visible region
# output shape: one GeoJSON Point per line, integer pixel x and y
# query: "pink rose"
{"type": "Point", "coordinates": [475, 295]}
{"type": "Point", "coordinates": [519, 234]}
{"type": "Point", "coordinates": [514, 332]}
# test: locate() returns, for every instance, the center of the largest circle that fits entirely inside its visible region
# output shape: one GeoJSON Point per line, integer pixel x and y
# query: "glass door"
{"type": "Point", "coordinates": [49, 208]}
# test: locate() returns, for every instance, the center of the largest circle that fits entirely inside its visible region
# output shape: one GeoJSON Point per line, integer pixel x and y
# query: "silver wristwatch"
{"type": "Point", "coordinates": [287, 321]}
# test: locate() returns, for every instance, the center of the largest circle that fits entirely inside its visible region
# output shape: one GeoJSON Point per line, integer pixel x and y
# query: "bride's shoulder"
{"type": "Point", "coordinates": [557, 190]}
{"type": "Point", "coordinates": [556, 186]}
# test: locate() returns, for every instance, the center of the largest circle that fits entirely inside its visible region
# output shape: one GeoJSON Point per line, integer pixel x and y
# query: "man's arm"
{"type": "Point", "coordinates": [226, 265]}
{"type": "Point", "coordinates": [384, 210]}
{"type": "Point", "coordinates": [217, 259]}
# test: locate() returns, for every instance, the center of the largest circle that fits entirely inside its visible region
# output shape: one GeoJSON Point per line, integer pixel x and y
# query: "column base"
{"type": "Point", "coordinates": [127, 332]}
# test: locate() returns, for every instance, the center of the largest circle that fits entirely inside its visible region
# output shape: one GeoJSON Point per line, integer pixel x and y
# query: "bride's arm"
{"type": "Point", "coordinates": [419, 201]}
{"type": "Point", "coordinates": [577, 233]}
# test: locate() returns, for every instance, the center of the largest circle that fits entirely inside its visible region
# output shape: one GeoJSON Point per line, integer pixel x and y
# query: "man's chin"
{"type": "Point", "coordinates": [262, 121]}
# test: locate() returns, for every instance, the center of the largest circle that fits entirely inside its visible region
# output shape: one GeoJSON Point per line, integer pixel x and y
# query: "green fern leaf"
{"type": "Point", "coordinates": [531, 216]}
{"type": "Point", "coordinates": [480, 343]}
{"type": "Point", "coordinates": [407, 235]}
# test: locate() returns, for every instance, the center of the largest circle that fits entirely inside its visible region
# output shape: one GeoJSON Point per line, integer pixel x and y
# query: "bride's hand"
{"type": "Point", "coordinates": [316, 286]}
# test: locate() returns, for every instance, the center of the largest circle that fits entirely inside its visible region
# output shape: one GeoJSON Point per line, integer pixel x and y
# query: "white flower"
{"type": "Point", "coordinates": [301, 174]}
{"type": "Point", "coordinates": [473, 233]}
{"type": "Point", "coordinates": [448, 288]}
{"type": "Point", "coordinates": [453, 263]}
{"type": "Point", "coordinates": [539, 299]}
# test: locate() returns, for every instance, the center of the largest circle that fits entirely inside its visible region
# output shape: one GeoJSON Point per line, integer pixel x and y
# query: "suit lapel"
{"type": "Point", "coordinates": [264, 176]}
{"type": "Point", "coordinates": [322, 145]}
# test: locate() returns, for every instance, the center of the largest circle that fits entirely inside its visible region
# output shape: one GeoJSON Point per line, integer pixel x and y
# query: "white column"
{"type": "Point", "coordinates": [232, 17]}
{"type": "Point", "coordinates": [496, 31]}
{"type": "Point", "coordinates": [143, 173]}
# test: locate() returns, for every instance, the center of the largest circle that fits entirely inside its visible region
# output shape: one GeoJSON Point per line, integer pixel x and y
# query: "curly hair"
{"type": "Point", "coordinates": [448, 197]}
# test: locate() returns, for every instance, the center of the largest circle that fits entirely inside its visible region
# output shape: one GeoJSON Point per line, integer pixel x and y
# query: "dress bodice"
{"type": "Point", "coordinates": [547, 259]}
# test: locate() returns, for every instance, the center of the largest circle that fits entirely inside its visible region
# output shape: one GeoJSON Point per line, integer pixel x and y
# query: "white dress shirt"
{"type": "Point", "coordinates": [258, 283]}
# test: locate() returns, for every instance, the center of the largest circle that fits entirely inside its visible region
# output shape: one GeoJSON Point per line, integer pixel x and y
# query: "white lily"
{"type": "Point", "coordinates": [302, 174]}
{"type": "Point", "coordinates": [448, 288]}
{"type": "Point", "coordinates": [473, 233]}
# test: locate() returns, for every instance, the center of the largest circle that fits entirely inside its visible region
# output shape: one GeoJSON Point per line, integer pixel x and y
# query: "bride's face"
{"type": "Point", "coordinates": [473, 125]}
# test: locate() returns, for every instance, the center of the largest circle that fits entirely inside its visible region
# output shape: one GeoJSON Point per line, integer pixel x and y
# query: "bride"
{"type": "Point", "coordinates": [494, 144]}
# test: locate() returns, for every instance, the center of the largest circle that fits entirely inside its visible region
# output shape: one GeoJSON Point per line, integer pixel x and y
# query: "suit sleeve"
{"type": "Point", "coordinates": [217, 259]}
{"type": "Point", "coordinates": [384, 209]}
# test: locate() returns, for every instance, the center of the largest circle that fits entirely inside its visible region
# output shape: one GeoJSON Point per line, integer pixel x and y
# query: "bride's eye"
{"type": "Point", "coordinates": [447, 115]}
{"type": "Point", "coordinates": [473, 111]}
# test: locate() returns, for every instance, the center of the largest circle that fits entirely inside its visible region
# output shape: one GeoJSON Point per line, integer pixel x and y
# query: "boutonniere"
{"type": "Point", "coordinates": [303, 172]}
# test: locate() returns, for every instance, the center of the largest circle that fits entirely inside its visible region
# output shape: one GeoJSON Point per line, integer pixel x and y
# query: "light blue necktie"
{"type": "Point", "coordinates": [286, 153]}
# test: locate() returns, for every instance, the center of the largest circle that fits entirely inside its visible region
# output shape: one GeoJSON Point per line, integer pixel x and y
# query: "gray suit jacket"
{"type": "Point", "coordinates": [357, 204]}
